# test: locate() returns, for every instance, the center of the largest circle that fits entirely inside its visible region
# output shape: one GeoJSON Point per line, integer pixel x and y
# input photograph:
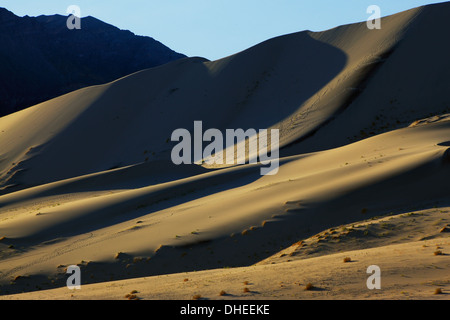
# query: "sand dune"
{"type": "Point", "coordinates": [301, 83]}
{"type": "Point", "coordinates": [410, 271]}
{"type": "Point", "coordinates": [86, 178]}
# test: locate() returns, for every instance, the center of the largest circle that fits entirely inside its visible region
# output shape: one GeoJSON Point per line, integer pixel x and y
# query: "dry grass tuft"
{"type": "Point", "coordinates": [246, 290]}
{"type": "Point", "coordinates": [222, 293]}
{"type": "Point", "coordinates": [438, 253]}
{"type": "Point", "coordinates": [347, 259]}
{"type": "Point", "coordinates": [132, 295]}
{"type": "Point", "coordinates": [309, 287]}
{"type": "Point", "coordinates": [17, 278]}
{"type": "Point", "coordinates": [197, 297]}
{"type": "Point", "coordinates": [438, 291]}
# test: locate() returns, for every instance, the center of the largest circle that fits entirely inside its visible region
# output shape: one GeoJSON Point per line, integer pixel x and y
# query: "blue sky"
{"type": "Point", "coordinates": [216, 28]}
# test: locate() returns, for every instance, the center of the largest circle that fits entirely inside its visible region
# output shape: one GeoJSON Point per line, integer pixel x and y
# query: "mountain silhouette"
{"type": "Point", "coordinates": [40, 58]}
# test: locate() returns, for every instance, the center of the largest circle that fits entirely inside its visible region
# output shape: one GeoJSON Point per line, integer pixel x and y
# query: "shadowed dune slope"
{"type": "Point", "coordinates": [86, 178]}
{"type": "Point", "coordinates": [309, 85]}
{"type": "Point", "coordinates": [229, 217]}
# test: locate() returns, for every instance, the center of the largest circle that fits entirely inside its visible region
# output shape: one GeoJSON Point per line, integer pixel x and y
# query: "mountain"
{"type": "Point", "coordinates": [87, 178]}
{"type": "Point", "coordinates": [40, 58]}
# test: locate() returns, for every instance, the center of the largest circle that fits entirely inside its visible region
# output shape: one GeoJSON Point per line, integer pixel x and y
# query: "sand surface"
{"type": "Point", "coordinates": [86, 178]}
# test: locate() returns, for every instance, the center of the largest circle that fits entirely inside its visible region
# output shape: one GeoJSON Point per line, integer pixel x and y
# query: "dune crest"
{"type": "Point", "coordinates": [86, 178]}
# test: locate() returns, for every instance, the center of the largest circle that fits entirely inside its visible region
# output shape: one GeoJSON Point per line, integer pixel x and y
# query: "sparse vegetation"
{"type": "Point", "coordinates": [16, 278]}
{"type": "Point", "coordinates": [197, 297]}
{"type": "Point", "coordinates": [438, 291]}
{"type": "Point", "coordinates": [222, 293]}
{"type": "Point", "coordinates": [438, 253]}
{"type": "Point", "coordinates": [309, 287]}
{"type": "Point", "coordinates": [132, 296]}
{"type": "Point", "coordinates": [347, 259]}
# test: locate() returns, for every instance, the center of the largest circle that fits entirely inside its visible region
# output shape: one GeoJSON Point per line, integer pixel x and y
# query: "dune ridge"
{"type": "Point", "coordinates": [86, 178]}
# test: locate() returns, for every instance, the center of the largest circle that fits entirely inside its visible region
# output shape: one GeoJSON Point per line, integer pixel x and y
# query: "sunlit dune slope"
{"type": "Point", "coordinates": [87, 178]}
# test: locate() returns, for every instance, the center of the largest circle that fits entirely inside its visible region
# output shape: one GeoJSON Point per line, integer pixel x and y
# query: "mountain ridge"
{"type": "Point", "coordinates": [41, 59]}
